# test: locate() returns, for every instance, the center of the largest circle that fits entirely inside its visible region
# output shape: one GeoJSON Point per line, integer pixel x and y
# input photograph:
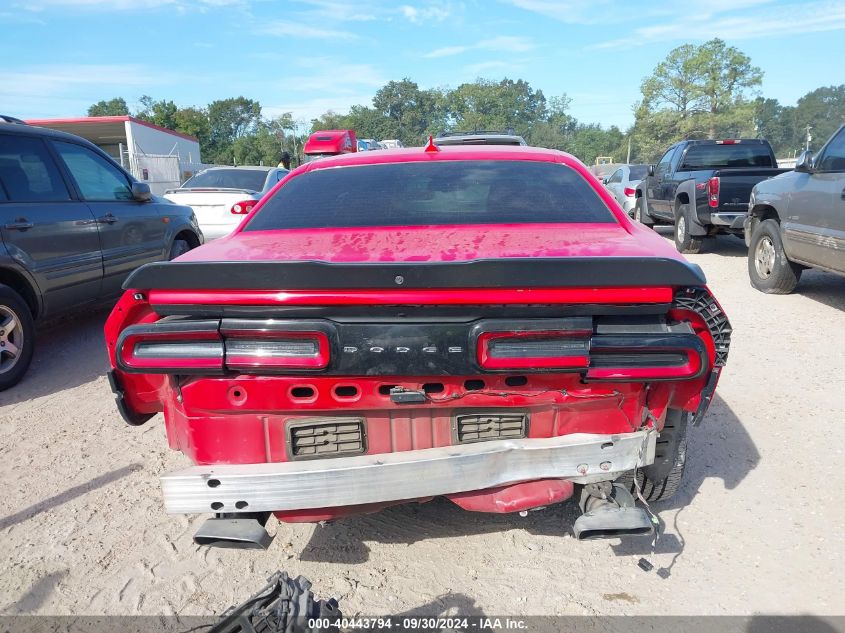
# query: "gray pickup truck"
{"type": "Point", "coordinates": [797, 220]}
{"type": "Point", "coordinates": [703, 187]}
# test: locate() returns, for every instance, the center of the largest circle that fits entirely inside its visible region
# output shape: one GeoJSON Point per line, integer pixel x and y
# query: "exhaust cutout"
{"type": "Point", "coordinates": [235, 531]}
{"type": "Point", "coordinates": [613, 517]}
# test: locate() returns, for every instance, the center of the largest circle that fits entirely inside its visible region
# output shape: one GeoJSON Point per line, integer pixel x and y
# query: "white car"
{"type": "Point", "coordinates": [222, 196]}
{"type": "Point", "coordinates": [622, 184]}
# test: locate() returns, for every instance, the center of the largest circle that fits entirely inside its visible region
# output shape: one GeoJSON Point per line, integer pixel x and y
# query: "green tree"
{"type": "Point", "coordinates": [490, 105]}
{"type": "Point", "coordinates": [193, 121]}
{"type": "Point", "coordinates": [410, 113]}
{"type": "Point", "coordinates": [229, 120]}
{"type": "Point", "coordinates": [824, 110]}
{"type": "Point", "coordinates": [696, 91]}
{"type": "Point", "coordinates": [162, 113]}
{"type": "Point", "coordinates": [112, 107]}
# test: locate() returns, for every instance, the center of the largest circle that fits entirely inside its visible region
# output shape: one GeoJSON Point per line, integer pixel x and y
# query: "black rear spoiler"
{"type": "Point", "coordinates": [571, 272]}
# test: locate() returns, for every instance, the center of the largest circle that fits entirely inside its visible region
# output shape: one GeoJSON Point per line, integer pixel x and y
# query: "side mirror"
{"type": "Point", "coordinates": [141, 192]}
{"type": "Point", "coordinates": [805, 162]}
{"type": "Point", "coordinates": [651, 170]}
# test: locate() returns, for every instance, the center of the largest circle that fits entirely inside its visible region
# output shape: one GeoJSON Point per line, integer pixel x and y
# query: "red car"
{"type": "Point", "coordinates": [480, 323]}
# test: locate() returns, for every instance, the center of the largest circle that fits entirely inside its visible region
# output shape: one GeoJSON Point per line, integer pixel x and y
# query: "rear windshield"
{"type": "Point", "coordinates": [637, 172]}
{"type": "Point", "coordinates": [249, 179]}
{"type": "Point", "coordinates": [438, 192]}
{"type": "Point", "coordinates": [727, 156]}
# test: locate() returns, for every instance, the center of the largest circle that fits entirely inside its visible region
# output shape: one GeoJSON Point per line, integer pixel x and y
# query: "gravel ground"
{"type": "Point", "coordinates": [755, 529]}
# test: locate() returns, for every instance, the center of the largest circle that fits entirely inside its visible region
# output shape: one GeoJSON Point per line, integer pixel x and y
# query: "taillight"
{"type": "Point", "coordinates": [243, 207]}
{"type": "Point", "coordinates": [673, 356]}
{"type": "Point", "coordinates": [193, 347]}
{"type": "Point", "coordinates": [630, 192]}
{"type": "Point", "coordinates": [560, 344]}
{"type": "Point", "coordinates": [282, 350]}
{"type": "Point", "coordinates": [523, 350]}
{"type": "Point", "coordinates": [213, 347]}
{"type": "Point", "coordinates": [728, 141]}
{"type": "Point", "coordinates": [713, 191]}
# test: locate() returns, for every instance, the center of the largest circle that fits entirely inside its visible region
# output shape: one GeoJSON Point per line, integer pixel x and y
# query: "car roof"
{"type": "Point", "coordinates": [244, 167]}
{"type": "Point", "coordinates": [479, 138]}
{"type": "Point", "coordinates": [445, 152]}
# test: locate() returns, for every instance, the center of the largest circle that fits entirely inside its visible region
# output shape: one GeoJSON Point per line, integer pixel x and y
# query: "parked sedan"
{"type": "Point", "coordinates": [221, 196]}
{"type": "Point", "coordinates": [73, 225]}
{"type": "Point", "coordinates": [623, 182]}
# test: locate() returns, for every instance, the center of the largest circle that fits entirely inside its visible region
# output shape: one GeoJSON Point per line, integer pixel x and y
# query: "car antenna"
{"type": "Point", "coordinates": [431, 147]}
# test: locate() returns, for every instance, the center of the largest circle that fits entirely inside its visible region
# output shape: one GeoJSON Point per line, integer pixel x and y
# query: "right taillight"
{"type": "Point", "coordinates": [243, 207]}
{"type": "Point", "coordinates": [629, 192]}
{"type": "Point", "coordinates": [533, 349]}
{"type": "Point", "coordinates": [713, 191]}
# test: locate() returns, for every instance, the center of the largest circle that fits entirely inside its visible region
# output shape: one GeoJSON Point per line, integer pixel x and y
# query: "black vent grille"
{"type": "Point", "coordinates": [699, 300]}
{"type": "Point", "coordinates": [482, 427]}
{"type": "Point", "coordinates": [326, 438]}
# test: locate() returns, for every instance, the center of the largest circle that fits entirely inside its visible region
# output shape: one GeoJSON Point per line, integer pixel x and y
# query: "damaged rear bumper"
{"type": "Point", "coordinates": [407, 475]}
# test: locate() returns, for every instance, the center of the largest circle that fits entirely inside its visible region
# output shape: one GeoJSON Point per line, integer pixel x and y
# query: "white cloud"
{"type": "Point", "coordinates": [308, 109]}
{"type": "Point", "coordinates": [339, 11]}
{"type": "Point", "coordinates": [128, 5]}
{"type": "Point", "coordinates": [40, 91]}
{"type": "Point", "coordinates": [500, 44]}
{"type": "Point", "coordinates": [475, 70]}
{"type": "Point", "coordinates": [813, 17]}
{"type": "Point", "coordinates": [617, 11]}
{"type": "Point", "coordinates": [434, 12]}
{"type": "Point", "coordinates": [284, 28]}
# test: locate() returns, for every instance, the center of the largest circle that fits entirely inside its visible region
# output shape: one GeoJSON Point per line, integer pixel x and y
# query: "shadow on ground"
{"type": "Point", "coordinates": [826, 288]}
{"type": "Point", "coordinates": [69, 352]}
{"type": "Point", "coordinates": [725, 245]}
{"type": "Point", "coordinates": [720, 447]}
{"type": "Point", "coordinates": [37, 594]}
{"type": "Point", "coordinates": [67, 495]}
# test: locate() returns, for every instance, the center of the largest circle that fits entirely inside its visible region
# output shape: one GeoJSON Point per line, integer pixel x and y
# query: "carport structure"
{"type": "Point", "coordinates": [163, 158]}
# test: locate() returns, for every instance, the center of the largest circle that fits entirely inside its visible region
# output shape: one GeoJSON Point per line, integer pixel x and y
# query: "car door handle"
{"type": "Point", "coordinates": [108, 218]}
{"type": "Point", "coordinates": [21, 224]}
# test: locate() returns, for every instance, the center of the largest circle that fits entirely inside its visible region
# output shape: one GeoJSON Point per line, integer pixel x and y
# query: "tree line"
{"type": "Point", "coordinates": [704, 91]}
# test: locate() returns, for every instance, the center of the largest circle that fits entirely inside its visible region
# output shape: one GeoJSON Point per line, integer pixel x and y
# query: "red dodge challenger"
{"type": "Point", "coordinates": [480, 323]}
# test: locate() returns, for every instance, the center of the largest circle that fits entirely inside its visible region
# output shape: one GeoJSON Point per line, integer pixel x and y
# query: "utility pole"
{"type": "Point", "coordinates": [809, 137]}
{"type": "Point", "coordinates": [628, 159]}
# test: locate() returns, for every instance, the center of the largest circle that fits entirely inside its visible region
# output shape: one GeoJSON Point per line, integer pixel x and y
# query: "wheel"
{"type": "Point", "coordinates": [17, 337]}
{"type": "Point", "coordinates": [640, 214]}
{"type": "Point", "coordinates": [684, 242]}
{"type": "Point", "coordinates": [180, 247]}
{"type": "Point", "coordinates": [769, 268]}
{"type": "Point", "coordinates": [662, 479]}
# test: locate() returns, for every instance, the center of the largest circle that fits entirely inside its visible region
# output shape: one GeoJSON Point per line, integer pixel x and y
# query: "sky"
{"type": "Point", "coordinates": [310, 56]}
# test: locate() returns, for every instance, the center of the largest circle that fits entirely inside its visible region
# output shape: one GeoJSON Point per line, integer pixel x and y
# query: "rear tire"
{"type": "Point", "coordinates": [663, 478]}
{"type": "Point", "coordinates": [640, 213]}
{"type": "Point", "coordinates": [769, 269]}
{"type": "Point", "coordinates": [17, 337]}
{"type": "Point", "coordinates": [684, 242]}
{"type": "Point", "coordinates": [179, 247]}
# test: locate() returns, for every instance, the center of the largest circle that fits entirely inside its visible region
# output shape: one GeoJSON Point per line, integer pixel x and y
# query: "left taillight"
{"type": "Point", "coordinates": [268, 346]}
{"type": "Point", "coordinates": [243, 207]}
{"type": "Point", "coordinates": [214, 347]}
{"type": "Point", "coordinates": [168, 347]}
{"type": "Point", "coordinates": [629, 192]}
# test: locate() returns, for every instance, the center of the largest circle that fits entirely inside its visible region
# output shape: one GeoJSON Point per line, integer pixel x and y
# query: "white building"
{"type": "Point", "coordinates": [161, 157]}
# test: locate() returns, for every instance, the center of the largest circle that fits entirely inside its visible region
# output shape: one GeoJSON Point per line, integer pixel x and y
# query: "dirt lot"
{"type": "Point", "coordinates": [757, 527]}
